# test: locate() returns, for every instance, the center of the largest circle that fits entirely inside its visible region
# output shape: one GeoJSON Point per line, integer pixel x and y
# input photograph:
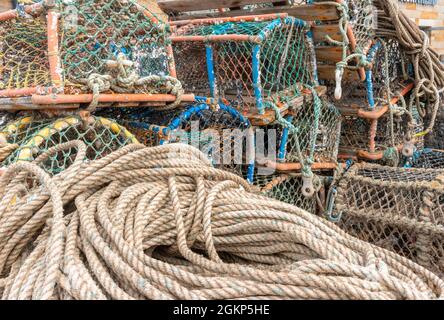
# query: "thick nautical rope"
{"type": "Point", "coordinates": [130, 226]}
{"type": "Point", "coordinates": [128, 81]}
{"type": "Point", "coordinates": [429, 71]}
{"type": "Point", "coordinates": [7, 149]}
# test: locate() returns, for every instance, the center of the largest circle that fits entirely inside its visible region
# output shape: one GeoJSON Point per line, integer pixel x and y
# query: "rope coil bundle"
{"type": "Point", "coordinates": [162, 223]}
{"type": "Point", "coordinates": [428, 70]}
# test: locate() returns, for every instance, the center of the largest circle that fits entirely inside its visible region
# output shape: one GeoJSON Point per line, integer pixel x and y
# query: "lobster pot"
{"type": "Point", "coordinates": [398, 209]}
{"type": "Point", "coordinates": [219, 131]}
{"type": "Point", "coordinates": [17, 132]}
{"type": "Point", "coordinates": [285, 188]}
{"type": "Point", "coordinates": [87, 39]}
{"type": "Point", "coordinates": [248, 61]}
{"type": "Point", "coordinates": [24, 62]}
{"type": "Point", "coordinates": [428, 159]}
{"type": "Point", "coordinates": [390, 69]}
{"type": "Point", "coordinates": [373, 139]}
{"type": "Point", "coordinates": [362, 21]}
{"type": "Point", "coordinates": [319, 129]}
{"type": "Point", "coordinates": [101, 137]}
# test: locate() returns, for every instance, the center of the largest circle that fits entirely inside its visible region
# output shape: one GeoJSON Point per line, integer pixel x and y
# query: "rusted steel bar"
{"type": "Point", "coordinates": [379, 112]}
{"type": "Point", "coordinates": [108, 98]}
{"type": "Point", "coordinates": [171, 62]}
{"type": "Point", "coordinates": [55, 69]}
{"type": "Point", "coordinates": [285, 167]}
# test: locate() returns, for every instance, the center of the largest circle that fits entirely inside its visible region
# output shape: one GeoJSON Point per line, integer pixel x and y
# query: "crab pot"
{"type": "Point", "coordinates": [427, 159]}
{"type": "Point", "coordinates": [319, 129]}
{"type": "Point", "coordinates": [50, 53]}
{"type": "Point", "coordinates": [220, 131]}
{"type": "Point", "coordinates": [34, 137]}
{"type": "Point", "coordinates": [249, 60]}
{"type": "Point", "coordinates": [285, 188]}
{"type": "Point", "coordinates": [372, 139]}
{"type": "Point", "coordinates": [397, 209]}
{"type": "Point", "coordinates": [389, 68]}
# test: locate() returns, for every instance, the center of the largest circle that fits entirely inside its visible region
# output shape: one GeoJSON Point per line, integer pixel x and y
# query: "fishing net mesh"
{"type": "Point", "coordinates": [318, 133]}
{"type": "Point", "coordinates": [401, 210]}
{"type": "Point", "coordinates": [223, 135]}
{"type": "Point", "coordinates": [429, 159]}
{"type": "Point", "coordinates": [387, 71]}
{"type": "Point", "coordinates": [355, 133]}
{"type": "Point", "coordinates": [285, 188]}
{"type": "Point", "coordinates": [21, 130]}
{"type": "Point", "coordinates": [284, 59]}
{"type": "Point", "coordinates": [93, 32]}
{"type": "Point", "coordinates": [34, 137]}
{"type": "Point", "coordinates": [23, 53]}
{"type": "Point", "coordinates": [362, 20]}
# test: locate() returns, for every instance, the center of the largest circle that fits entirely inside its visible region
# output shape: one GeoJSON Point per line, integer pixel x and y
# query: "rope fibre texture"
{"type": "Point", "coordinates": [429, 71]}
{"type": "Point", "coordinates": [161, 223]}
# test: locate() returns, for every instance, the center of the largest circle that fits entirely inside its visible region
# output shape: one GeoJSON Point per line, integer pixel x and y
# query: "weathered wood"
{"type": "Point", "coordinates": [198, 5]}
{"type": "Point", "coordinates": [321, 31]}
{"type": "Point", "coordinates": [329, 54]}
{"type": "Point", "coordinates": [154, 8]}
{"type": "Point", "coordinates": [327, 72]}
{"type": "Point", "coordinates": [5, 5]}
{"type": "Point", "coordinates": [318, 12]}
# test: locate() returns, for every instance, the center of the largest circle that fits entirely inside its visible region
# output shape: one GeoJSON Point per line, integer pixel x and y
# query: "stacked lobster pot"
{"type": "Point", "coordinates": [371, 79]}
{"type": "Point", "coordinates": [265, 68]}
{"type": "Point", "coordinates": [381, 120]}
{"type": "Point", "coordinates": [398, 209]}
{"type": "Point", "coordinates": [60, 57]}
{"type": "Point", "coordinates": [220, 131]}
{"type": "Point", "coordinates": [426, 158]}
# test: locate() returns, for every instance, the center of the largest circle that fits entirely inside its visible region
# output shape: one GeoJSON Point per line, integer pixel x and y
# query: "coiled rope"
{"type": "Point", "coordinates": [428, 69]}
{"type": "Point", "coordinates": [162, 223]}
{"type": "Point", "coordinates": [127, 80]}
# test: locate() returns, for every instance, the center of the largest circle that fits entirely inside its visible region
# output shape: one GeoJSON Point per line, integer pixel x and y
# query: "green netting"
{"type": "Point", "coordinates": [117, 42]}
{"type": "Point", "coordinates": [355, 134]}
{"type": "Point", "coordinates": [93, 32]}
{"type": "Point", "coordinates": [101, 136]}
{"type": "Point", "coordinates": [23, 53]}
{"type": "Point", "coordinates": [285, 188]}
{"type": "Point", "coordinates": [22, 129]}
{"type": "Point", "coordinates": [282, 61]}
{"type": "Point", "coordinates": [318, 133]}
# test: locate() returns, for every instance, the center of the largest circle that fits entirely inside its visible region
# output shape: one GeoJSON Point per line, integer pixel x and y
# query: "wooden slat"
{"type": "Point", "coordinates": [5, 5]}
{"type": "Point", "coordinates": [270, 115]}
{"type": "Point", "coordinates": [198, 5]}
{"type": "Point", "coordinates": [329, 54]}
{"type": "Point", "coordinates": [321, 31]}
{"type": "Point", "coordinates": [326, 72]}
{"type": "Point", "coordinates": [154, 8]}
{"type": "Point", "coordinates": [314, 12]}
